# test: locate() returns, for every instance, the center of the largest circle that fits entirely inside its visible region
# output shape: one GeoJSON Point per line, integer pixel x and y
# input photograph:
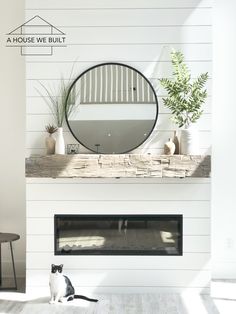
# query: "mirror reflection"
{"type": "Point", "coordinates": [115, 109]}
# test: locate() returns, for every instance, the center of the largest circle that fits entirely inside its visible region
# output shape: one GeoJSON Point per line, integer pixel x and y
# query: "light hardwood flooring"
{"type": "Point", "coordinates": [224, 302]}
{"type": "Point", "coordinates": [112, 304]}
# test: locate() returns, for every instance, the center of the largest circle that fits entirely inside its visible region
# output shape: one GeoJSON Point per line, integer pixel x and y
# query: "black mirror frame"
{"type": "Point", "coordinates": [130, 67]}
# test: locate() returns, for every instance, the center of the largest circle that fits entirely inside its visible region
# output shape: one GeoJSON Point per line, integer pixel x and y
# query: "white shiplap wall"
{"type": "Point", "coordinates": [189, 197]}
{"type": "Point", "coordinates": [139, 33]}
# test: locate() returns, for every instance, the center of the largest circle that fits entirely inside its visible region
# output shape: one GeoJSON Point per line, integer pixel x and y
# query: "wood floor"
{"type": "Point", "coordinates": [113, 304]}
{"type": "Point", "coordinates": [223, 302]}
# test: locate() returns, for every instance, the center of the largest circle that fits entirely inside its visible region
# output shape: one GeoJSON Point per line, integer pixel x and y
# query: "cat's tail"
{"type": "Point", "coordinates": [76, 296]}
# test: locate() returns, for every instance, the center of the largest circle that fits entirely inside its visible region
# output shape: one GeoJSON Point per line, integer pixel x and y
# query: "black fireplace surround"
{"type": "Point", "coordinates": [118, 235]}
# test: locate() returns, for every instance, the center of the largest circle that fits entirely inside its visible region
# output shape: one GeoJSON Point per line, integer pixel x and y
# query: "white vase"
{"type": "Point", "coordinates": [189, 141]}
{"type": "Point", "coordinates": [60, 143]}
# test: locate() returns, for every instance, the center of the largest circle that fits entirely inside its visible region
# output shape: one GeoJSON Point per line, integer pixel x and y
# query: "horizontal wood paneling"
{"type": "Point", "coordinates": [196, 226]}
{"type": "Point", "coordinates": [139, 33]}
{"type": "Point", "coordinates": [142, 38]}
{"type": "Point", "coordinates": [149, 69]}
{"type": "Point", "coordinates": [187, 278]}
{"type": "Point", "coordinates": [126, 192]}
{"type": "Point", "coordinates": [111, 17]}
{"type": "Point", "coordinates": [192, 226]}
{"type": "Point", "coordinates": [81, 4]}
{"type": "Point", "coordinates": [135, 52]}
{"type": "Point", "coordinates": [134, 35]}
{"type": "Point", "coordinates": [154, 35]}
{"type": "Point", "coordinates": [200, 244]}
{"type": "Point", "coordinates": [189, 209]}
{"type": "Point", "coordinates": [189, 261]}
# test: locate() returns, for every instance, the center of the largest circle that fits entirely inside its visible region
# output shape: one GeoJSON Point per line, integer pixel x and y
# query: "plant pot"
{"type": "Point", "coordinates": [50, 145]}
{"type": "Point", "coordinates": [189, 141]}
{"type": "Point", "coordinates": [60, 143]}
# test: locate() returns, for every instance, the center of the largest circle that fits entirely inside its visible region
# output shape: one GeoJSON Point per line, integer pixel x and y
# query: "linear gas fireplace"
{"type": "Point", "coordinates": [118, 234]}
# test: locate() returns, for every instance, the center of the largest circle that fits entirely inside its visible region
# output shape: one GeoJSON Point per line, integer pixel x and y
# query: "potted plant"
{"type": "Point", "coordinates": [60, 106]}
{"type": "Point", "coordinates": [185, 99]}
{"type": "Point", "coordinates": [50, 140]}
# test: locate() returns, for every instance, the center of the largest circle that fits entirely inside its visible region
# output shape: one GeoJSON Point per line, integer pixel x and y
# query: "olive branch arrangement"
{"type": "Point", "coordinates": [185, 96]}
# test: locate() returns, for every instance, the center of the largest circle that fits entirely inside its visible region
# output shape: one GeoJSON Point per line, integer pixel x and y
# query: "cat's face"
{"type": "Point", "coordinates": [56, 269]}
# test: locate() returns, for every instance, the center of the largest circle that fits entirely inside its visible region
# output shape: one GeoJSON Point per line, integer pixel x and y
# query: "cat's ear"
{"type": "Point", "coordinates": [61, 266]}
{"type": "Point", "coordinates": [53, 265]}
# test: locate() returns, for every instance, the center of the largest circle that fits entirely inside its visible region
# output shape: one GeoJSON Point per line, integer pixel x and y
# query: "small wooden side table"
{"type": "Point", "coordinates": [8, 238]}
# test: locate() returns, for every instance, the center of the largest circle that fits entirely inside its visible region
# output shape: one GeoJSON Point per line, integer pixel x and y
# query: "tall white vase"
{"type": "Point", "coordinates": [189, 141]}
{"type": "Point", "coordinates": [60, 143]}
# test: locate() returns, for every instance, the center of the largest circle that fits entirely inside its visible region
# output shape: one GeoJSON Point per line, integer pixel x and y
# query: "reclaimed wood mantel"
{"type": "Point", "coordinates": [118, 166]}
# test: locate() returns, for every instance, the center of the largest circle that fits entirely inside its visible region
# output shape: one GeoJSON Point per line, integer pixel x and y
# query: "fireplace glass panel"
{"type": "Point", "coordinates": [118, 234]}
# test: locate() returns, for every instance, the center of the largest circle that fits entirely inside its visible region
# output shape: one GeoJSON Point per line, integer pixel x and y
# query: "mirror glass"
{"type": "Point", "coordinates": [113, 108]}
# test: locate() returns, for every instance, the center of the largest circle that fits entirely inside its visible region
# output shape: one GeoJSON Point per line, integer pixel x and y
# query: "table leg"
{"type": "Point", "coordinates": [0, 264]}
{"type": "Point", "coordinates": [13, 265]}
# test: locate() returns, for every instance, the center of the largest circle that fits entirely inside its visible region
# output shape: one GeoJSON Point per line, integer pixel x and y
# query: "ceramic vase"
{"type": "Point", "coordinates": [50, 144]}
{"type": "Point", "coordinates": [189, 141]}
{"type": "Point", "coordinates": [60, 143]}
{"type": "Point", "coordinates": [176, 142]}
{"type": "Point", "coordinates": [169, 147]}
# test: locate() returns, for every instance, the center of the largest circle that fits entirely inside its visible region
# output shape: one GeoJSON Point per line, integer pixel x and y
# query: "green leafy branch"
{"type": "Point", "coordinates": [185, 96]}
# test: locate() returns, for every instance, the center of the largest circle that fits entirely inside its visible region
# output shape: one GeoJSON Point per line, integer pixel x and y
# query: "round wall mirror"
{"type": "Point", "coordinates": [113, 108]}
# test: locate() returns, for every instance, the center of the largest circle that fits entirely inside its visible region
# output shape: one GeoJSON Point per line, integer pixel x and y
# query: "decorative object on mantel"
{"type": "Point", "coordinates": [72, 149]}
{"type": "Point", "coordinates": [185, 98]}
{"type": "Point", "coordinates": [169, 147]}
{"type": "Point", "coordinates": [117, 166]}
{"type": "Point", "coordinates": [189, 141]}
{"type": "Point", "coordinates": [60, 142]}
{"type": "Point", "coordinates": [60, 105]}
{"type": "Point", "coordinates": [176, 142]}
{"type": "Point", "coordinates": [50, 140]}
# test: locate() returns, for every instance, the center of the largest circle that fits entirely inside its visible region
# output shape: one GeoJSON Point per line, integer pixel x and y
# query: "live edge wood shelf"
{"type": "Point", "coordinates": [118, 166]}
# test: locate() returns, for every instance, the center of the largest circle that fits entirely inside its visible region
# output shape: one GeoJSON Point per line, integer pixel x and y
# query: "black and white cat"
{"type": "Point", "coordinates": [61, 287]}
